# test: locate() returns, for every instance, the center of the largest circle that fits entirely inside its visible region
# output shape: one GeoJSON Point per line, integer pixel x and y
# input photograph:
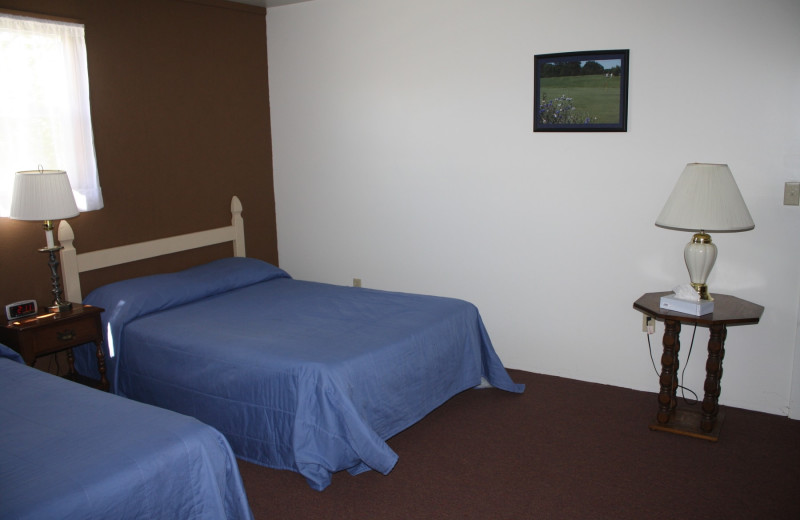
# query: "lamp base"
{"type": "Point", "coordinates": [702, 290]}
{"type": "Point", "coordinates": [58, 304]}
{"type": "Point", "coordinates": [700, 254]}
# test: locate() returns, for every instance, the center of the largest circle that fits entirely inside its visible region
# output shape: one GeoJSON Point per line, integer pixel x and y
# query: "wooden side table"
{"type": "Point", "coordinates": [49, 333]}
{"type": "Point", "coordinates": [728, 310]}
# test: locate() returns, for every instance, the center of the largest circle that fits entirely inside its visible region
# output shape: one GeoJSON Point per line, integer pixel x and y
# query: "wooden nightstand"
{"type": "Point", "coordinates": [728, 311]}
{"type": "Point", "coordinates": [53, 332]}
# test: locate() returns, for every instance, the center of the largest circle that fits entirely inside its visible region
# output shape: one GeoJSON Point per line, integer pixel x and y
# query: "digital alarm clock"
{"type": "Point", "coordinates": [21, 309]}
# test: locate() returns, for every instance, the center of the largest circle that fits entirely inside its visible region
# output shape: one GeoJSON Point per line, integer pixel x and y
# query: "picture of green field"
{"type": "Point", "coordinates": [593, 99]}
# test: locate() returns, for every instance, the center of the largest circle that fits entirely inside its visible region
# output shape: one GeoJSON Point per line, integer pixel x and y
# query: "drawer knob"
{"type": "Point", "coordinates": [66, 335]}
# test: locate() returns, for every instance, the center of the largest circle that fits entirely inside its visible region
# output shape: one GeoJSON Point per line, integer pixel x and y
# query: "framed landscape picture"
{"type": "Point", "coordinates": [581, 91]}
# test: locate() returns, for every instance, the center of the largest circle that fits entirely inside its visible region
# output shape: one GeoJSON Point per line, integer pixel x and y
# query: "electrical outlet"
{"type": "Point", "coordinates": [356, 282]}
{"type": "Point", "coordinates": [648, 324]}
{"type": "Point", "coordinates": [791, 194]}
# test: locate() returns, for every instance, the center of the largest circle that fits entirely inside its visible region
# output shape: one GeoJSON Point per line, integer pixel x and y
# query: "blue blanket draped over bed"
{"type": "Point", "coordinates": [71, 452]}
{"type": "Point", "coordinates": [298, 375]}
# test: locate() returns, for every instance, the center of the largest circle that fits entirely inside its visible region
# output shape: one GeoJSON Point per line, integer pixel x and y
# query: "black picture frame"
{"type": "Point", "coordinates": [583, 91]}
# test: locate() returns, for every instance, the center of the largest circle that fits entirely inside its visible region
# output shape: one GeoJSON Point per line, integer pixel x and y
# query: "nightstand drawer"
{"type": "Point", "coordinates": [53, 332]}
{"type": "Point", "coordinates": [58, 336]}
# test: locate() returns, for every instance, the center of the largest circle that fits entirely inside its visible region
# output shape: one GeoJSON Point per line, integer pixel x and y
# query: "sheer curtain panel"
{"type": "Point", "coordinates": [44, 106]}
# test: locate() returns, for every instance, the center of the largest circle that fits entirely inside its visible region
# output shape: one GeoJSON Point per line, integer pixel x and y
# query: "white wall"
{"type": "Point", "coordinates": [404, 155]}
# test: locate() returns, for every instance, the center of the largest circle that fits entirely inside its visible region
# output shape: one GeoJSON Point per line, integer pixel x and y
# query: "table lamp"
{"type": "Point", "coordinates": [705, 199]}
{"type": "Point", "coordinates": [45, 195]}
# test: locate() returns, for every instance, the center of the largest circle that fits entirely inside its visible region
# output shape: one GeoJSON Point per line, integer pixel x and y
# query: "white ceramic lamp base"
{"type": "Point", "coordinates": [700, 255]}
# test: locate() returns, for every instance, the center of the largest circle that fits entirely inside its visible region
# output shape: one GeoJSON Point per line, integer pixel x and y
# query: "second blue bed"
{"type": "Point", "coordinates": [297, 375]}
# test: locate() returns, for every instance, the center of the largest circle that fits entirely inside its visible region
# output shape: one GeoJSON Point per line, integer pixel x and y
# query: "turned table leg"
{"type": "Point", "coordinates": [70, 362]}
{"type": "Point", "coordinates": [716, 353]}
{"type": "Point", "coordinates": [669, 370]}
{"type": "Point", "coordinates": [101, 365]}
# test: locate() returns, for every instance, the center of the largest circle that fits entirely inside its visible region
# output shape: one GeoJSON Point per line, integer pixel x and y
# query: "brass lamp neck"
{"type": "Point", "coordinates": [701, 238]}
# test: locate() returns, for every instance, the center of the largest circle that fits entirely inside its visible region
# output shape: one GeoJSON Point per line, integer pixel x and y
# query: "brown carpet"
{"type": "Point", "coordinates": [564, 449]}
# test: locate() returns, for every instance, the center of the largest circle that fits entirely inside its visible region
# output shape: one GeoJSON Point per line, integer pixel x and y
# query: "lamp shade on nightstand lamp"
{"type": "Point", "coordinates": [42, 195]}
{"type": "Point", "coordinates": [45, 195]}
{"type": "Point", "coordinates": [705, 199]}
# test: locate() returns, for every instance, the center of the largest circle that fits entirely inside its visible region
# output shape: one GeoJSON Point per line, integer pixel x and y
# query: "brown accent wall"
{"type": "Point", "coordinates": [180, 110]}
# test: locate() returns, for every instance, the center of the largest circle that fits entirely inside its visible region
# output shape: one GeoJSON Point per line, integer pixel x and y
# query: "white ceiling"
{"type": "Point", "coordinates": [269, 3]}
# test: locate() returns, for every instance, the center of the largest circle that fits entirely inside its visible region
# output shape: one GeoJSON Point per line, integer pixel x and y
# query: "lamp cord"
{"type": "Point", "coordinates": [683, 388]}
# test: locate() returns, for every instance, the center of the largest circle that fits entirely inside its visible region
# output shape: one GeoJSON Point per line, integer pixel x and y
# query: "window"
{"type": "Point", "coordinates": [44, 106]}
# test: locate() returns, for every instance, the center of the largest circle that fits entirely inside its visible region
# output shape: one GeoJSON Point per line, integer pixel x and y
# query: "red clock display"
{"type": "Point", "coordinates": [21, 309]}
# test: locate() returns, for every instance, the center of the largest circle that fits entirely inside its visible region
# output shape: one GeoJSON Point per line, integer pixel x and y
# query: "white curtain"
{"type": "Point", "coordinates": [44, 106]}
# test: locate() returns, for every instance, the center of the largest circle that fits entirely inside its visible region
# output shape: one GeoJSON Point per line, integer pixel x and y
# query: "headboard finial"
{"type": "Point", "coordinates": [65, 234]}
{"type": "Point", "coordinates": [69, 263]}
{"type": "Point", "coordinates": [238, 227]}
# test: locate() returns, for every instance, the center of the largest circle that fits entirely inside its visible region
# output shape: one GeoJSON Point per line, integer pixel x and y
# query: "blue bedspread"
{"type": "Point", "coordinates": [302, 376]}
{"type": "Point", "coordinates": [71, 452]}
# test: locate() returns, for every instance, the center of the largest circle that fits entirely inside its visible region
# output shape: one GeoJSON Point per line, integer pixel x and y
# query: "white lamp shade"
{"type": "Point", "coordinates": [42, 195]}
{"type": "Point", "coordinates": [706, 198]}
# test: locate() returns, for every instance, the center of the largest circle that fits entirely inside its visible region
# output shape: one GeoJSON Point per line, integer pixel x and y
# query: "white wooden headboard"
{"type": "Point", "coordinates": [73, 264]}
